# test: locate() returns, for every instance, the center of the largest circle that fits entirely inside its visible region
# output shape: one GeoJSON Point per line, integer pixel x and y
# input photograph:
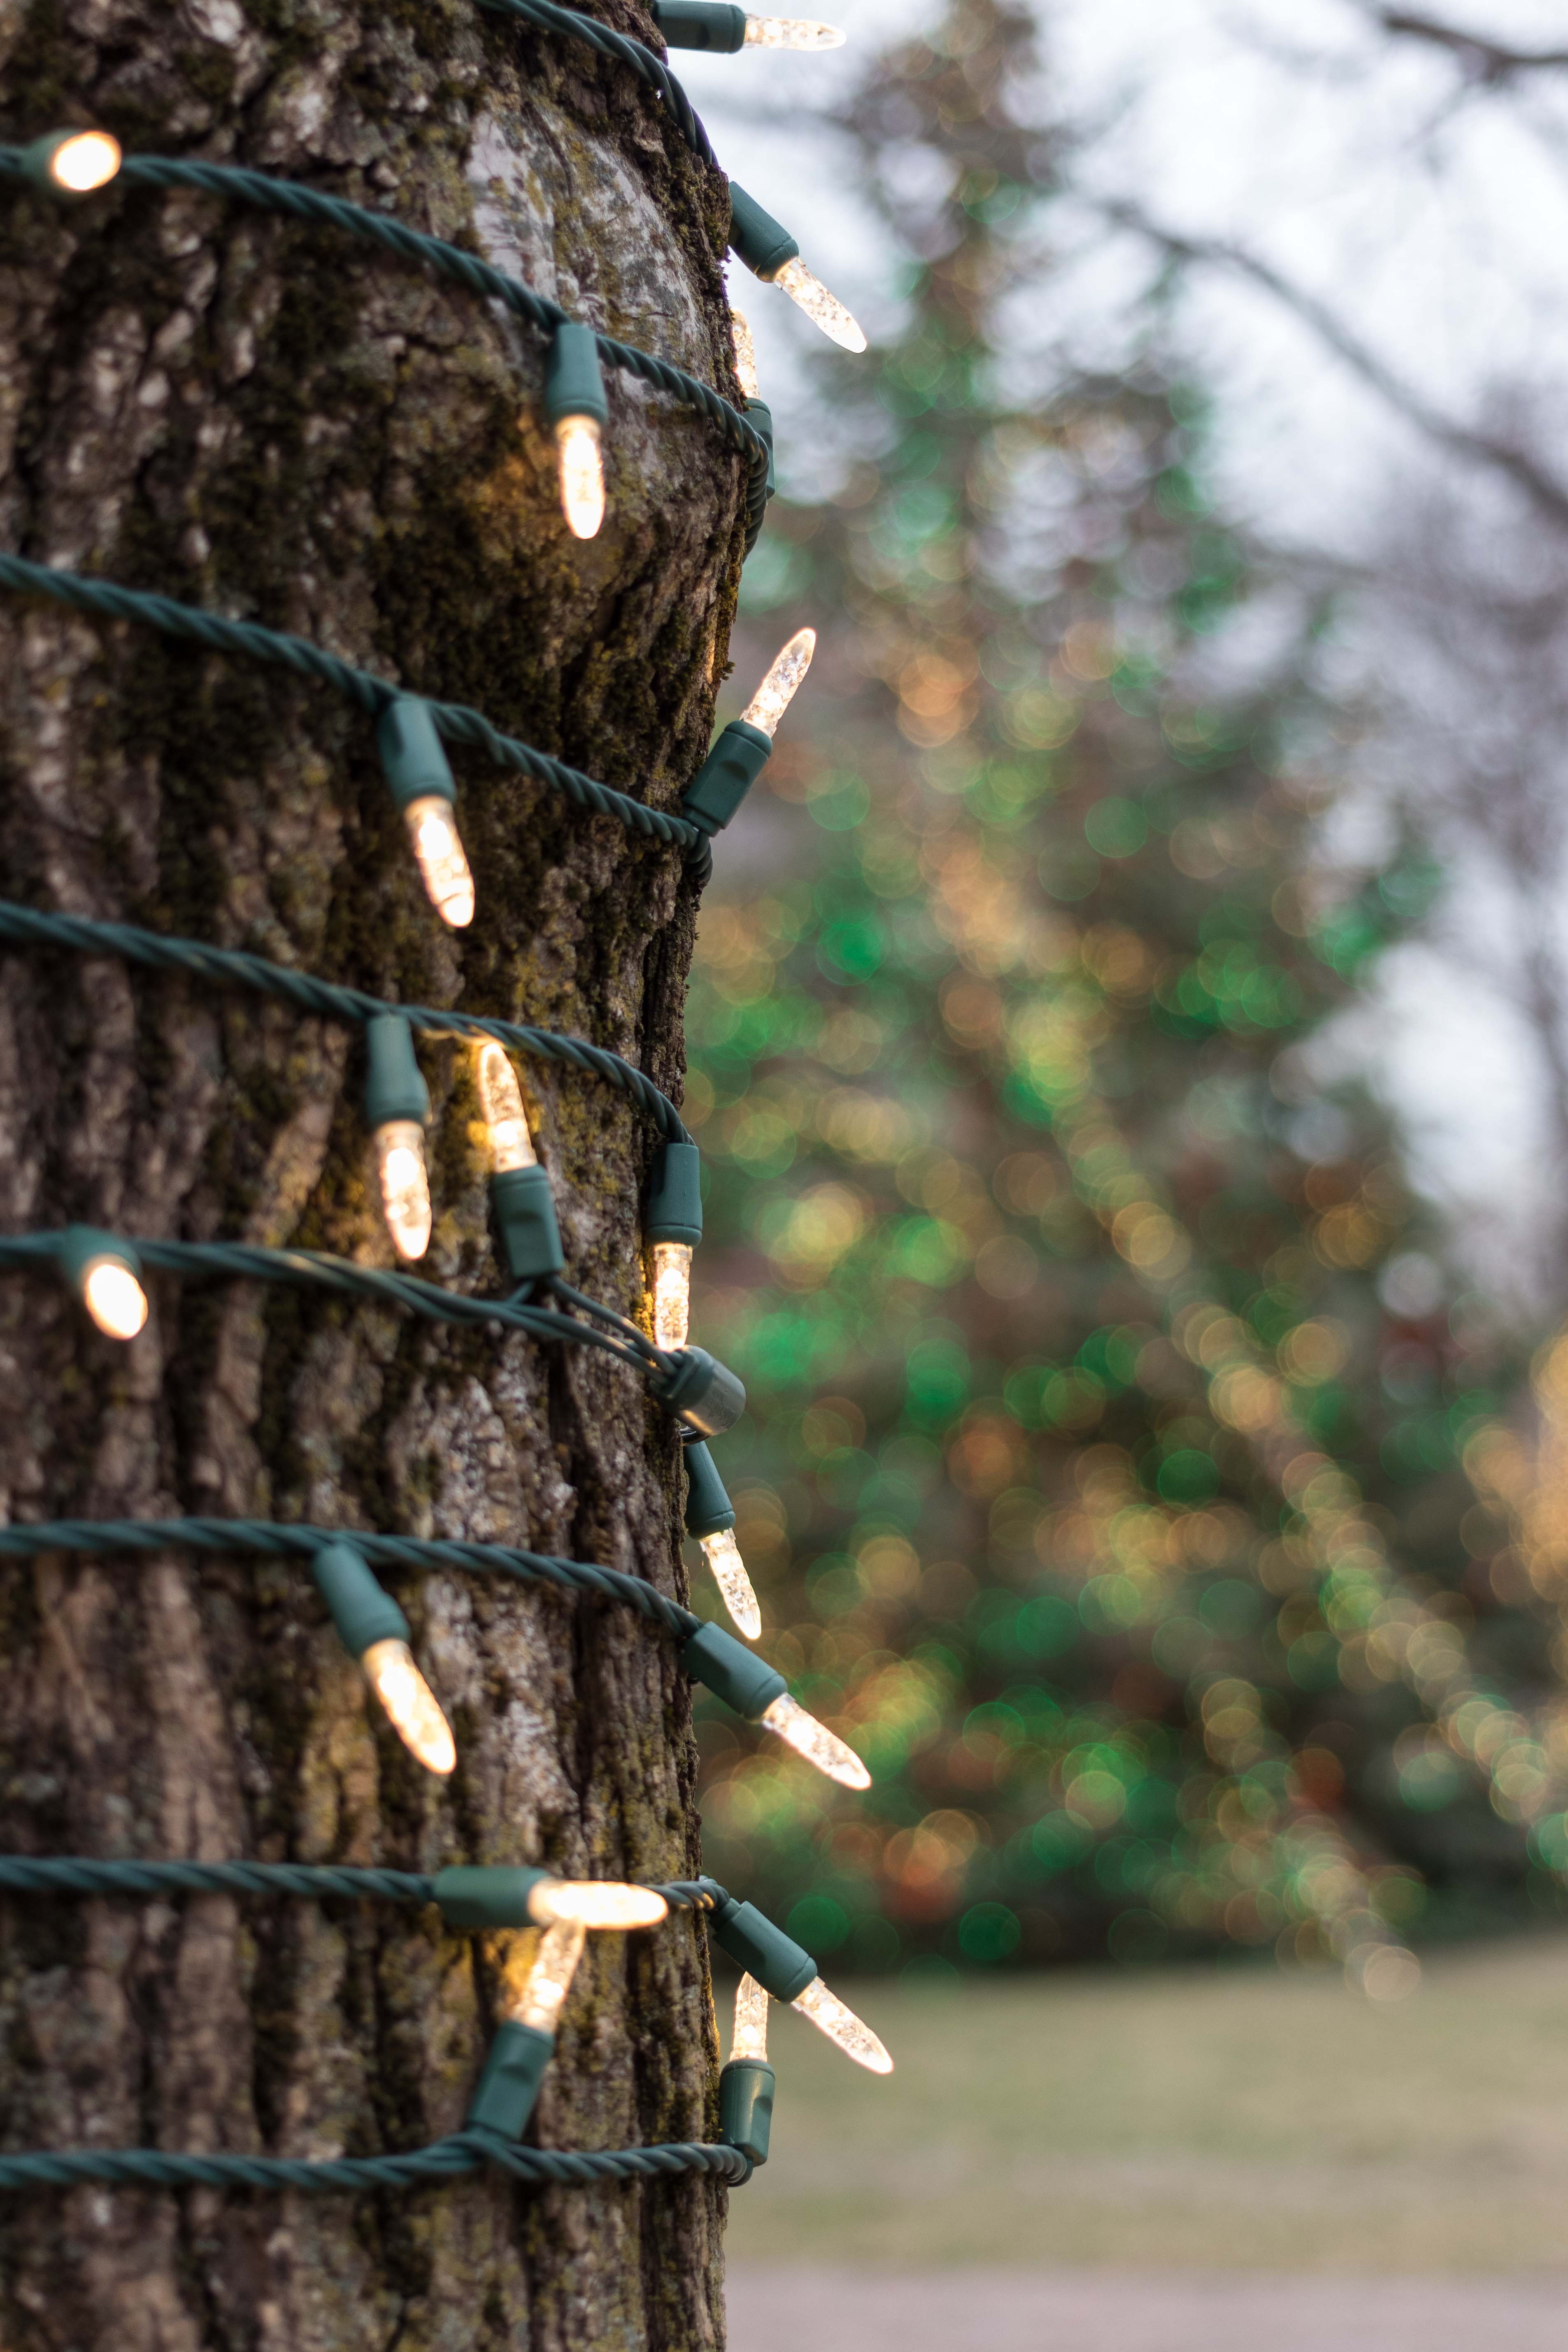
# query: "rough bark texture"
{"type": "Point", "coordinates": [275, 423]}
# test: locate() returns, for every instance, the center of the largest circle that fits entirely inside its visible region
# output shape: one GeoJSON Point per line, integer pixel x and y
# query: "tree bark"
{"type": "Point", "coordinates": [280, 425]}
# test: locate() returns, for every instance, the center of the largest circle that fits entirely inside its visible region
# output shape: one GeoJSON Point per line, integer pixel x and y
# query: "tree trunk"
{"type": "Point", "coordinates": [281, 425]}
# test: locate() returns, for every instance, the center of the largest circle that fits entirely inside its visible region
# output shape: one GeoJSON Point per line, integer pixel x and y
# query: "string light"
{"type": "Point", "coordinates": [106, 1274]}
{"type": "Point", "coordinates": [375, 1631]}
{"type": "Point", "coordinates": [791, 33]}
{"type": "Point", "coordinates": [711, 1517]}
{"type": "Point", "coordinates": [778, 688]}
{"type": "Point", "coordinates": [521, 1190]}
{"type": "Point", "coordinates": [785, 1970]}
{"type": "Point", "coordinates": [815, 1742]}
{"type": "Point", "coordinates": [420, 776]}
{"type": "Point", "coordinates": [672, 1226]}
{"type": "Point", "coordinates": [397, 1107]}
{"type": "Point", "coordinates": [759, 1693]}
{"type": "Point", "coordinates": [72, 162]}
{"type": "Point", "coordinates": [577, 410]}
{"type": "Point", "coordinates": [669, 1280]}
{"type": "Point", "coordinates": [718, 24]}
{"type": "Point", "coordinates": [750, 2038]}
{"type": "Point", "coordinates": [767, 249]}
{"type": "Point", "coordinates": [741, 749]}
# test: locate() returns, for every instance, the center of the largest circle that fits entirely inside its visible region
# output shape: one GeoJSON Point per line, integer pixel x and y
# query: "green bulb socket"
{"type": "Point", "coordinates": [780, 1965]}
{"type": "Point", "coordinates": [673, 1211]}
{"type": "Point", "coordinates": [360, 1611]}
{"type": "Point", "coordinates": [472, 1897]}
{"type": "Point", "coordinates": [530, 1232]}
{"type": "Point", "coordinates": [709, 1510]}
{"type": "Point", "coordinates": [726, 775]}
{"type": "Point", "coordinates": [80, 1247]}
{"type": "Point", "coordinates": [393, 1087]}
{"type": "Point", "coordinates": [746, 2107]}
{"type": "Point", "coordinates": [411, 754]}
{"type": "Point", "coordinates": [762, 416]}
{"type": "Point", "coordinates": [573, 382]}
{"type": "Point", "coordinates": [509, 2087]}
{"type": "Point", "coordinates": [763, 244]}
{"type": "Point", "coordinates": [731, 1672]}
{"type": "Point", "coordinates": [703, 1394]}
{"type": "Point", "coordinates": [711, 25]}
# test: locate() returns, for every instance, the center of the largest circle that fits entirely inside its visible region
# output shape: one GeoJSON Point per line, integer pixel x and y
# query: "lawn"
{"type": "Point", "coordinates": [1237, 2119]}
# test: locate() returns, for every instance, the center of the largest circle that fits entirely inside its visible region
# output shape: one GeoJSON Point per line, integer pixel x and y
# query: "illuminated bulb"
{"type": "Point", "coordinates": [595, 1903]}
{"type": "Point", "coordinates": [841, 2025]}
{"type": "Point", "coordinates": [750, 2036]}
{"type": "Point", "coordinates": [777, 690]}
{"type": "Point", "coordinates": [723, 1557]}
{"type": "Point", "coordinates": [114, 1298]}
{"type": "Point", "coordinates": [815, 1742]}
{"type": "Point", "coordinates": [822, 308]}
{"type": "Point", "coordinates": [88, 160]}
{"type": "Point", "coordinates": [672, 1293]}
{"type": "Point", "coordinates": [511, 1146]}
{"type": "Point", "coordinates": [549, 1978]}
{"type": "Point", "coordinates": [410, 1704]}
{"type": "Point", "coordinates": [791, 33]}
{"type": "Point", "coordinates": [443, 867]}
{"type": "Point", "coordinates": [581, 474]}
{"type": "Point", "coordinates": [405, 1185]}
{"type": "Point", "coordinates": [745, 354]}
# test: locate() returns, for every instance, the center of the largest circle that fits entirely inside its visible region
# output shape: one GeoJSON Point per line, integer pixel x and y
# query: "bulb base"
{"type": "Point", "coordinates": [703, 1394]}
{"type": "Point", "coordinates": [471, 1896]}
{"type": "Point", "coordinates": [574, 380]}
{"type": "Point", "coordinates": [362, 1612]}
{"type": "Point", "coordinates": [509, 2087]}
{"type": "Point", "coordinates": [394, 1085]}
{"type": "Point", "coordinates": [416, 766]}
{"type": "Point", "coordinates": [780, 1965]}
{"type": "Point", "coordinates": [763, 244]}
{"type": "Point", "coordinates": [530, 1232]}
{"type": "Point", "coordinates": [709, 1510]}
{"type": "Point", "coordinates": [746, 2107]}
{"type": "Point", "coordinates": [726, 775]}
{"type": "Point", "coordinates": [733, 1673]}
{"type": "Point", "coordinates": [673, 1211]}
{"type": "Point", "coordinates": [716, 26]}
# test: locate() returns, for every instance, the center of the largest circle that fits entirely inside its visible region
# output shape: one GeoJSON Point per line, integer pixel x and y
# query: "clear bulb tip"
{"type": "Point", "coordinates": [815, 1742]}
{"type": "Point", "coordinates": [595, 1903]}
{"type": "Point", "coordinates": [87, 161]}
{"type": "Point", "coordinates": [582, 467]}
{"type": "Point", "coordinates": [848, 2033]}
{"type": "Point", "coordinates": [822, 308]}
{"type": "Point", "coordinates": [114, 1298]}
{"type": "Point", "coordinates": [735, 1588]}
{"type": "Point", "coordinates": [750, 2039]}
{"type": "Point", "coordinates": [443, 867]}
{"type": "Point", "coordinates": [670, 1270]}
{"type": "Point", "coordinates": [745, 355]}
{"type": "Point", "coordinates": [791, 33]}
{"type": "Point", "coordinates": [511, 1146]}
{"type": "Point", "coordinates": [410, 1704]}
{"type": "Point", "coordinates": [405, 1185]}
{"type": "Point", "coordinates": [780, 687]}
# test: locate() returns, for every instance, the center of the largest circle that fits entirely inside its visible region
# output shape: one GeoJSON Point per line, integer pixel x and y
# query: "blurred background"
{"type": "Point", "coordinates": [1130, 1055]}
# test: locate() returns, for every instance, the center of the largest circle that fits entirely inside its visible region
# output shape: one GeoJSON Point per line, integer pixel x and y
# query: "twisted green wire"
{"type": "Point", "coordinates": [107, 600]}
{"type": "Point", "coordinates": [27, 927]}
{"type": "Point", "coordinates": [317, 1270]}
{"type": "Point", "coordinates": [449, 261]}
{"type": "Point", "coordinates": [298, 1540]}
{"type": "Point", "coordinates": [445, 2159]}
{"type": "Point", "coordinates": [85, 1875]}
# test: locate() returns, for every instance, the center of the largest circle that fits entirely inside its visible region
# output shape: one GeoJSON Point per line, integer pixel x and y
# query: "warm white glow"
{"type": "Point", "coordinates": [841, 2025]}
{"type": "Point", "coordinates": [822, 308]}
{"type": "Point", "coordinates": [549, 1978]}
{"type": "Point", "coordinates": [745, 354]}
{"type": "Point", "coordinates": [511, 1146]}
{"type": "Point", "coordinates": [815, 1742]}
{"type": "Point", "coordinates": [405, 1185]}
{"type": "Point", "coordinates": [114, 1298]}
{"type": "Point", "coordinates": [723, 1557]}
{"type": "Point", "coordinates": [582, 475]}
{"type": "Point", "coordinates": [86, 162]}
{"type": "Point", "coordinates": [777, 690]}
{"type": "Point", "coordinates": [595, 1903]}
{"type": "Point", "coordinates": [671, 1287]}
{"type": "Point", "coordinates": [410, 1704]}
{"type": "Point", "coordinates": [751, 2035]}
{"type": "Point", "coordinates": [443, 867]}
{"type": "Point", "coordinates": [791, 33]}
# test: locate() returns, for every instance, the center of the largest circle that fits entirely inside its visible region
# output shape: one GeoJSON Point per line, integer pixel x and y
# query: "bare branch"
{"type": "Point", "coordinates": [1548, 495]}
{"type": "Point", "coordinates": [1481, 58]}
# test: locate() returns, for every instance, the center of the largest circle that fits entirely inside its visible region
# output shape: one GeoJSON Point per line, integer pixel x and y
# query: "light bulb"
{"type": "Point", "coordinates": [723, 1557]}
{"type": "Point", "coordinates": [577, 454]}
{"type": "Point", "coordinates": [815, 1742]}
{"type": "Point", "coordinates": [88, 160]}
{"type": "Point", "coordinates": [405, 1185]}
{"type": "Point", "coordinates": [671, 1287]}
{"type": "Point", "coordinates": [595, 1903]}
{"type": "Point", "coordinates": [511, 1146]}
{"type": "Point", "coordinates": [549, 1978]}
{"type": "Point", "coordinates": [822, 308]}
{"type": "Point", "coordinates": [114, 1298]}
{"type": "Point", "coordinates": [841, 2025]}
{"type": "Point", "coordinates": [745, 354]}
{"type": "Point", "coordinates": [777, 690]}
{"type": "Point", "coordinates": [443, 867]}
{"type": "Point", "coordinates": [410, 1704]}
{"type": "Point", "coordinates": [791, 33]}
{"type": "Point", "coordinates": [750, 2039]}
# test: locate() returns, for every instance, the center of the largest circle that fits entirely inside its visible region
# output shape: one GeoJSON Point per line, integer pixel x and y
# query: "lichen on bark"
{"type": "Point", "coordinates": [263, 419]}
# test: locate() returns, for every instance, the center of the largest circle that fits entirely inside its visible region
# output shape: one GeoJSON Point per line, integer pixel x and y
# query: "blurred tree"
{"type": "Point", "coordinates": [1105, 1462]}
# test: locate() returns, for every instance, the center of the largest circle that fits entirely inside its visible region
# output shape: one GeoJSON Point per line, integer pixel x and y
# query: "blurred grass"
{"type": "Point", "coordinates": [1214, 2120]}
